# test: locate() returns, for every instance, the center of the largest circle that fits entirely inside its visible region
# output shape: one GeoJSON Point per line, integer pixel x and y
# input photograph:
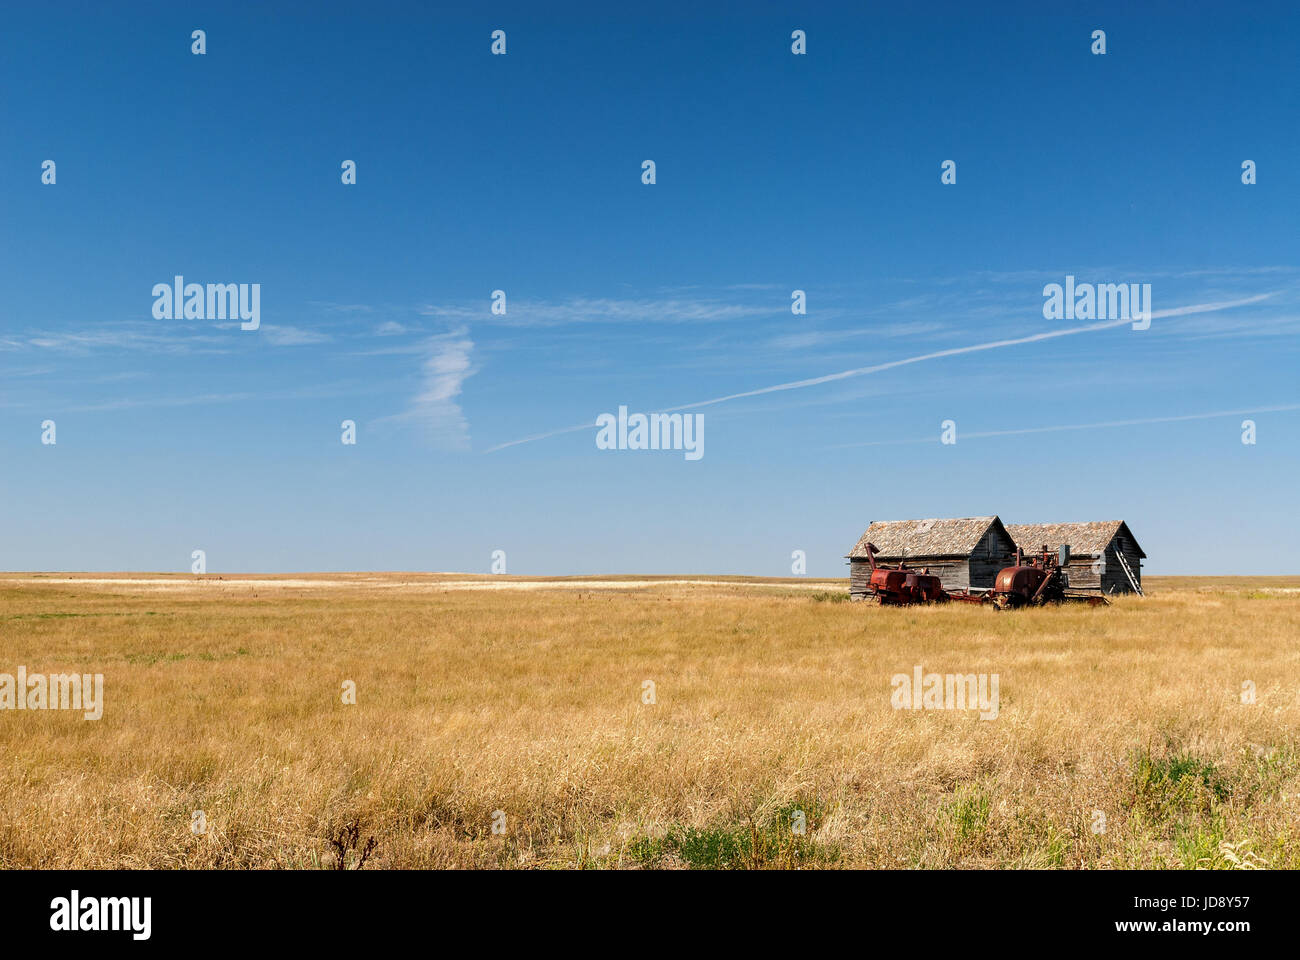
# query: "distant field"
{"type": "Point", "coordinates": [519, 704]}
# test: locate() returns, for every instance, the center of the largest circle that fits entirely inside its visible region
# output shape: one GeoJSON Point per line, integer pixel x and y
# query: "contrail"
{"type": "Point", "coordinates": [877, 368]}
{"type": "Point", "coordinates": [1080, 426]}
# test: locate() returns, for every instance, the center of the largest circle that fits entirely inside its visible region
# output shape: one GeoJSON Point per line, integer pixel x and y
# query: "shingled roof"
{"type": "Point", "coordinates": [1093, 537]}
{"type": "Point", "coordinates": [924, 538]}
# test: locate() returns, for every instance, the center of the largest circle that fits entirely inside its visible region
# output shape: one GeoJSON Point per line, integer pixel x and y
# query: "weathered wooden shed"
{"type": "Point", "coordinates": [1099, 552]}
{"type": "Point", "coordinates": [963, 553]}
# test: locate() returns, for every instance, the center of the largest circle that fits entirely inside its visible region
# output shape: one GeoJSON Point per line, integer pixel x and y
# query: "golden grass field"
{"type": "Point", "coordinates": [484, 694]}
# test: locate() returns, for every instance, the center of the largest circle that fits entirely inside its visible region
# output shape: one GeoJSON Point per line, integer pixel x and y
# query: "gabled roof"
{"type": "Point", "coordinates": [1092, 537]}
{"type": "Point", "coordinates": [924, 538]}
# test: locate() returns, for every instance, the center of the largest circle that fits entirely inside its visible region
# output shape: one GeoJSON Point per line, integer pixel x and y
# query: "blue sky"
{"type": "Point", "coordinates": [522, 172]}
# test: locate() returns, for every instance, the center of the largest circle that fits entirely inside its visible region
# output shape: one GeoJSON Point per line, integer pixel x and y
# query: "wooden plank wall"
{"type": "Point", "coordinates": [859, 576]}
{"type": "Point", "coordinates": [993, 553]}
{"type": "Point", "coordinates": [1082, 574]}
{"type": "Point", "coordinates": [953, 574]}
{"type": "Point", "coordinates": [1112, 580]}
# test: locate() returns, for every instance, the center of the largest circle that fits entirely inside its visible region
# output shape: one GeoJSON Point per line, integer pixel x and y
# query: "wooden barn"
{"type": "Point", "coordinates": [963, 553]}
{"type": "Point", "coordinates": [1104, 555]}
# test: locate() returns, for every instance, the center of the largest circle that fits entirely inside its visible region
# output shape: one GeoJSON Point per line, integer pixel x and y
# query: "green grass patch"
{"type": "Point", "coordinates": [969, 812]}
{"type": "Point", "coordinates": [1176, 785]}
{"type": "Point", "coordinates": [785, 839]}
{"type": "Point", "coordinates": [148, 659]}
{"type": "Point", "coordinates": [59, 615]}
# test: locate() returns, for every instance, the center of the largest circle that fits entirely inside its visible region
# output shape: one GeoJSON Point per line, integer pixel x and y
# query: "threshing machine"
{"type": "Point", "coordinates": [899, 586]}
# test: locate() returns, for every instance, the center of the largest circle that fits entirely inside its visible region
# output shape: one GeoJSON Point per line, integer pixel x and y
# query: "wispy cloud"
{"type": "Point", "coordinates": [434, 407]}
{"type": "Point", "coordinates": [920, 358]}
{"type": "Point", "coordinates": [330, 307]}
{"type": "Point", "coordinates": [285, 336]}
{"type": "Point", "coordinates": [805, 339]}
{"type": "Point", "coordinates": [539, 313]}
{"type": "Point", "coordinates": [119, 336]}
{"type": "Point", "coordinates": [129, 404]}
{"type": "Point", "coordinates": [1057, 428]}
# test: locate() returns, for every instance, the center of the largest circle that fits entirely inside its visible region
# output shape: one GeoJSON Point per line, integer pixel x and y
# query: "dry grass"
{"type": "Point", "coordinates": [224, 695]}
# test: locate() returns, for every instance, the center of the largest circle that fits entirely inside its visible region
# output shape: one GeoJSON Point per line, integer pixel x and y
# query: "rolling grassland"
{"type": "Point", "coordinates": [508, 722]}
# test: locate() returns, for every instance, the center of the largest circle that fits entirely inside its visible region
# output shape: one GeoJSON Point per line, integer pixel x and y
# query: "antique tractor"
{"type": "Point", "coordinates": [1036, 583]}
{"type": "Point", "coordinates": [899, 586]}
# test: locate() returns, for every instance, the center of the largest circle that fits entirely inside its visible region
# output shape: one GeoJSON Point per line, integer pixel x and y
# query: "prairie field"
{"type": "Point", "coordinates": [643, 722]}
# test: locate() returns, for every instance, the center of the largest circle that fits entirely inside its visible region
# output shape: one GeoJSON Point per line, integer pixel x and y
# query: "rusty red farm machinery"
{"type": "Point", "coordinates": [1030, 582]}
